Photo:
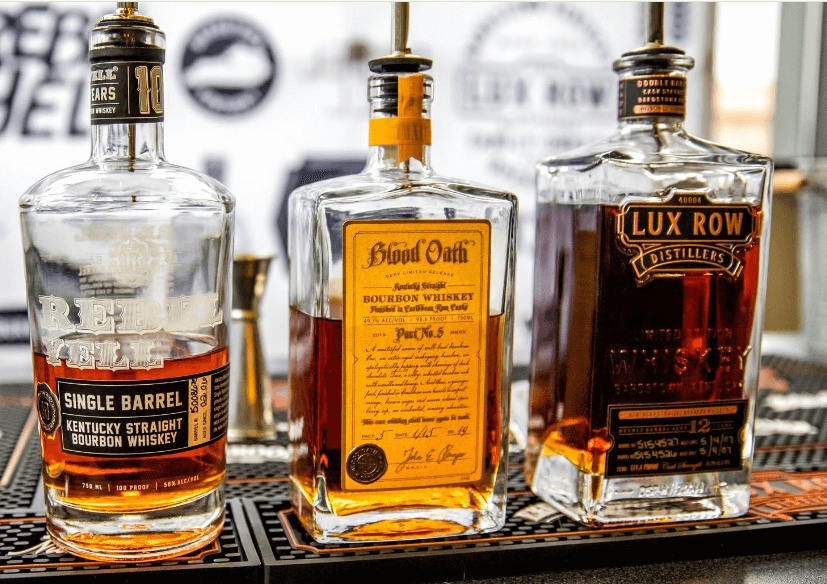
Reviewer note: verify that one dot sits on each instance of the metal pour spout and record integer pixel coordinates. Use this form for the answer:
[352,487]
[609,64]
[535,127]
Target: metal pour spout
[127,8]
[400,59]
[653,23]
[399,29]
[654,54]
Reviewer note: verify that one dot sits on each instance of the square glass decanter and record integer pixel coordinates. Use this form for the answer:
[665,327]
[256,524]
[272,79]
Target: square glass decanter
[401,318]
[649,292]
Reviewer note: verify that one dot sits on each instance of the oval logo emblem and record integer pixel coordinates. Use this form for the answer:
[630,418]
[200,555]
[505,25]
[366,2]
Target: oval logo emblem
[48,409]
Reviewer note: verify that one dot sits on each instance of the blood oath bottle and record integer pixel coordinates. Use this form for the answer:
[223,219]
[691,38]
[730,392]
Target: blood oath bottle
[128,263]
[649,292]
[401,318]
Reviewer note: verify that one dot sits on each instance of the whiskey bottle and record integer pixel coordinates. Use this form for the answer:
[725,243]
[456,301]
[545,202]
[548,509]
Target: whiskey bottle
[649,293]
[401,319]
[127,265]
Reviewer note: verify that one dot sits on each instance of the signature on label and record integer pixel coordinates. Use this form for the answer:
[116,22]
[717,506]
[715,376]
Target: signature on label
[412,457]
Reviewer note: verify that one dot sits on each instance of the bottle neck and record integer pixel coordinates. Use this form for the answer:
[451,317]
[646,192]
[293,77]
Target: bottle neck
[388,158]
[135,145]
[127,111]
[400,123]
[649,122]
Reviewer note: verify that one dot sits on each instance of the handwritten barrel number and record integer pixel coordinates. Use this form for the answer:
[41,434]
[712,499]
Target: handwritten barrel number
[150,89]
[699,426]
[198,406]
[194,399]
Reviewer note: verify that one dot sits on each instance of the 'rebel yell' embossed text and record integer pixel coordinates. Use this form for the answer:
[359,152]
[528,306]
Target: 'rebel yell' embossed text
[121,316]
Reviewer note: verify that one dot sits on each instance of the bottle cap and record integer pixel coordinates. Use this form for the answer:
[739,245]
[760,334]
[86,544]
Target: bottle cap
[126,35]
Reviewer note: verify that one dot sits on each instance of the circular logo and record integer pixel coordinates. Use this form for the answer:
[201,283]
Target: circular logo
[366,463]
[228,66]
[47,408]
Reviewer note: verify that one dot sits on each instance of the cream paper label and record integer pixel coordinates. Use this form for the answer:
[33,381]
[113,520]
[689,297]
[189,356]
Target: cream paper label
[416,297]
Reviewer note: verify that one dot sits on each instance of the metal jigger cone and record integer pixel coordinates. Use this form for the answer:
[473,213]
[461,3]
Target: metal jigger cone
[251,409]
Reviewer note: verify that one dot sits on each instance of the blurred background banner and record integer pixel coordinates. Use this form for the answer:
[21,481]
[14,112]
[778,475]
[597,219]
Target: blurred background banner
[268,96]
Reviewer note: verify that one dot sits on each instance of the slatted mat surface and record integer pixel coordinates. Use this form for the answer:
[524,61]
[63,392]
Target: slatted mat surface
[19,449]
[266,480]
[794,399]
[788,508]
[26,553]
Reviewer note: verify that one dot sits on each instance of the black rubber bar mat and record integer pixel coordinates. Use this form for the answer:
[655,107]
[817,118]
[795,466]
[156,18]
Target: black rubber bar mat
[792,409]
[26,553]
[265,477]
[788,510]
[536,539]
[789,497]
[19,450]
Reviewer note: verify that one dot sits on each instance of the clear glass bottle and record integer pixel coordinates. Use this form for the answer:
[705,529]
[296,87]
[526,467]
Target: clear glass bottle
[128,262]
[401,318]
[649,291]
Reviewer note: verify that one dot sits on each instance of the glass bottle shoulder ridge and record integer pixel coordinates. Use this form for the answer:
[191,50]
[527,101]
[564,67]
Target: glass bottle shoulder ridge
[652,145]
[393,184]
[637,161]
[74,187]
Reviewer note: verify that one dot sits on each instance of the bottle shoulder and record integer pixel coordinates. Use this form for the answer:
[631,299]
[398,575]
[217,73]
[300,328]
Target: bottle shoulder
[651,164]
[90,186]
[382,185]
[630,147]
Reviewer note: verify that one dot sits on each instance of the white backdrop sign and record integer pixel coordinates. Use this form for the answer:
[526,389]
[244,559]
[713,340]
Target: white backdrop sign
[256,92]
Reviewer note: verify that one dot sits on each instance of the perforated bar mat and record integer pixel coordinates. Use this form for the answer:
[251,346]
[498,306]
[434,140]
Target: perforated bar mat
[19,449]
[268,479]
[26,553]
[789,493]
[789,498]
[793,405]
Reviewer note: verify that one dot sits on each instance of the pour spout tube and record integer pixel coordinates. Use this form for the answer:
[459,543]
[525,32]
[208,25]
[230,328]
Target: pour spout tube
[400,26]
[653,23]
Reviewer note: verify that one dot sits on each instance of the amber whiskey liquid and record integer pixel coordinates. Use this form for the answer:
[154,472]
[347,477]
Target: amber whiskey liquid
[131,484]
[602,339]
[316,434]
[109,486]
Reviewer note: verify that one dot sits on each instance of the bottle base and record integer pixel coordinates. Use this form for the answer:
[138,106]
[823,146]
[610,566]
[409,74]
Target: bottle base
[396,524]
[597,501]
[136,537]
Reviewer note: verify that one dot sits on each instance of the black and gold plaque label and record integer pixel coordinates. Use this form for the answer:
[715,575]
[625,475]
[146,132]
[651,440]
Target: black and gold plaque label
[652,96]
[683,438]
[687,234]
[143,418]
[127,92]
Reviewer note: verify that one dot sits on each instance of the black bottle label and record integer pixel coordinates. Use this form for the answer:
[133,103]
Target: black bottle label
[127,92]
[686,234]
[680,438]
[139,418]
[652,96]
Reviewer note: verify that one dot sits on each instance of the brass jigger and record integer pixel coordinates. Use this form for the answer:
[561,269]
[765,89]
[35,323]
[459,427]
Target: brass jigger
[251,410]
